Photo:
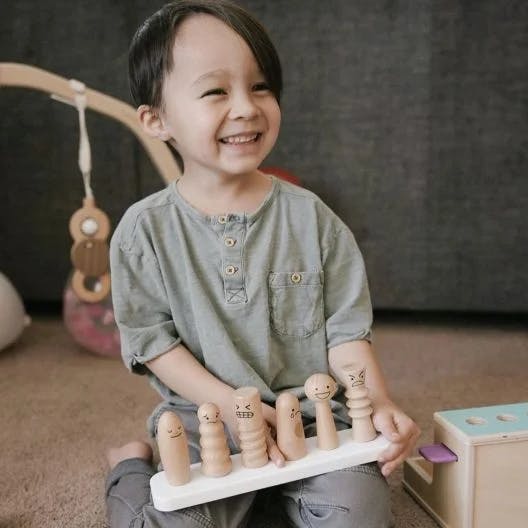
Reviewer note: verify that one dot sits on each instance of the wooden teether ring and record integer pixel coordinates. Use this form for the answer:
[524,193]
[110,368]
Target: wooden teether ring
[78,284]
[89,228]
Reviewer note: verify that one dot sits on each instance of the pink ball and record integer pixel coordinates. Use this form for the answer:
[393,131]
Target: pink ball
[92,325]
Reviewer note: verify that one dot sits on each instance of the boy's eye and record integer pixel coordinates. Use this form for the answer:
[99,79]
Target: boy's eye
[214,91]
[261,86]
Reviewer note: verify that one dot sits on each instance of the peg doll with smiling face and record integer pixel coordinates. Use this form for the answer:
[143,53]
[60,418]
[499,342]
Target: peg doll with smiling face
[320,388]
[173,449]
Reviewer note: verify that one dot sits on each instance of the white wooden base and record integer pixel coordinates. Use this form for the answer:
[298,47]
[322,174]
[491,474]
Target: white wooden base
[242,480]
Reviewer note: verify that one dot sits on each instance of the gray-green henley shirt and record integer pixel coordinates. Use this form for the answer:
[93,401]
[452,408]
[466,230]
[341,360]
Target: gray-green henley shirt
[257,298]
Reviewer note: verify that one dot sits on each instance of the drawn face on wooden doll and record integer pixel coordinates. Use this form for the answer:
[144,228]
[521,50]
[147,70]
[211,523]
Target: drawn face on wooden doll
[208,413]
[173,448]
[248,408]
[320,387]
[288,404]
[354,375]
[288,408]
[170,426]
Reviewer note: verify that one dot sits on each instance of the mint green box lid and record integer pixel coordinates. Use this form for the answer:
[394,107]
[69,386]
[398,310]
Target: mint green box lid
[505,420]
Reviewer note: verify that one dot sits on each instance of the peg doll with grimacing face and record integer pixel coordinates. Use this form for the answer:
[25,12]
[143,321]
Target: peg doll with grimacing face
[251,426]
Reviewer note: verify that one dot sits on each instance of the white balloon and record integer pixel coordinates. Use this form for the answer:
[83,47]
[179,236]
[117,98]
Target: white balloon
[13,317]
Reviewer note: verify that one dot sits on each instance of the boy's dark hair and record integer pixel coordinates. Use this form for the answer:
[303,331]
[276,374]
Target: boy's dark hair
[150,54]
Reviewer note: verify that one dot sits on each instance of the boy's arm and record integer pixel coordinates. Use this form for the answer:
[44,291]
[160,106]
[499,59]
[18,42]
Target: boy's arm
[362,353]
[179,370]
[387,417]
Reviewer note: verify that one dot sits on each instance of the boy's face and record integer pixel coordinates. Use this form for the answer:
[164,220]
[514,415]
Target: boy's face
[218,110]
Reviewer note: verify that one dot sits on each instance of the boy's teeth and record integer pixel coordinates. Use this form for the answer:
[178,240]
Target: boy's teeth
[239,139]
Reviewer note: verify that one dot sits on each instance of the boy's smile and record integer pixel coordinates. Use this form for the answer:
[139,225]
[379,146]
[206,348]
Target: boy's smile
[241,139]
[218,110]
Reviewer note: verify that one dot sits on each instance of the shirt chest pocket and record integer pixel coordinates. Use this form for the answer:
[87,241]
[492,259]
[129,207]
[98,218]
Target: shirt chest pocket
[296,302]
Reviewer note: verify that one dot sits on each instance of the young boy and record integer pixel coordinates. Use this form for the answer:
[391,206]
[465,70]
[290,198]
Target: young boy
[230,277]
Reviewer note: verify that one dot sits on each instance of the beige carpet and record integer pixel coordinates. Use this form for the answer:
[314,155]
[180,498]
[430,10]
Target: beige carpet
[62,407]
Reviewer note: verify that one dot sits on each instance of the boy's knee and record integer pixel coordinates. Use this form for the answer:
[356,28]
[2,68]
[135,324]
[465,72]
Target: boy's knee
[356,497]
[186,518]
[231,512]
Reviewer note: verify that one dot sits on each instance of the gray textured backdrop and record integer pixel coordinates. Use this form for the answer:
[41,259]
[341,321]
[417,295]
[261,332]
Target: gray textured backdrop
[409,118]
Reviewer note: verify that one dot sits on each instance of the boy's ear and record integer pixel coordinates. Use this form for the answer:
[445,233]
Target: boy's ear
[151,122]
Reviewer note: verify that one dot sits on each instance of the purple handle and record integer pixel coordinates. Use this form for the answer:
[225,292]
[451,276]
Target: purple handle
[438,454]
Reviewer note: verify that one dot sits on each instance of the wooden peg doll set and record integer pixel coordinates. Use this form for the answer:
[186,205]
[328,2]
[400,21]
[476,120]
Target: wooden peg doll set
[221,475]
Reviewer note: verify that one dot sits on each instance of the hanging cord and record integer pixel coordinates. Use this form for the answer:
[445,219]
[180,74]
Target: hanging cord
[85,158]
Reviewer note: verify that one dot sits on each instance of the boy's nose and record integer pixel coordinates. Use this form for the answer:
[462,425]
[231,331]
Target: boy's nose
[243,107]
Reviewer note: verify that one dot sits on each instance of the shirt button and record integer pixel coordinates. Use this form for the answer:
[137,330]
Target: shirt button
[295,277]
[230,270]
[229,242]
[222,219]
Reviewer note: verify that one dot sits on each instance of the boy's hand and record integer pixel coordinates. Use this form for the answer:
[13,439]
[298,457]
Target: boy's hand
[397,427]
[274,452]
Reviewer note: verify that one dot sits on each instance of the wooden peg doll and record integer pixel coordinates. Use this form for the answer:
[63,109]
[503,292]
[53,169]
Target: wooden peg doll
[173,449]
[320,388]
[358,402]
[290,431]
[216,460]
[251,427]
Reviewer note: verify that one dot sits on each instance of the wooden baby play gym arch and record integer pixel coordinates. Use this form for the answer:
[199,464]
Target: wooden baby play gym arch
[89,226]
[25,76]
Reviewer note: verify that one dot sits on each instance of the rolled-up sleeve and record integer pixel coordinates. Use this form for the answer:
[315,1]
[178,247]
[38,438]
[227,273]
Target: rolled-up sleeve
[348,308]
[141,307]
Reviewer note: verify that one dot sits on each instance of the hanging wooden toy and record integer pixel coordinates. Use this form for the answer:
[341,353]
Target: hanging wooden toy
[89,225]
[91,324]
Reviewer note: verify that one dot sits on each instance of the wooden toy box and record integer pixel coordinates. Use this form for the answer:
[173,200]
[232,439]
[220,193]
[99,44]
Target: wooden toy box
[487,487]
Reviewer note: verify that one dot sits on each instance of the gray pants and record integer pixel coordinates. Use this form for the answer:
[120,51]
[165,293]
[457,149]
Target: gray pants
[356,497]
